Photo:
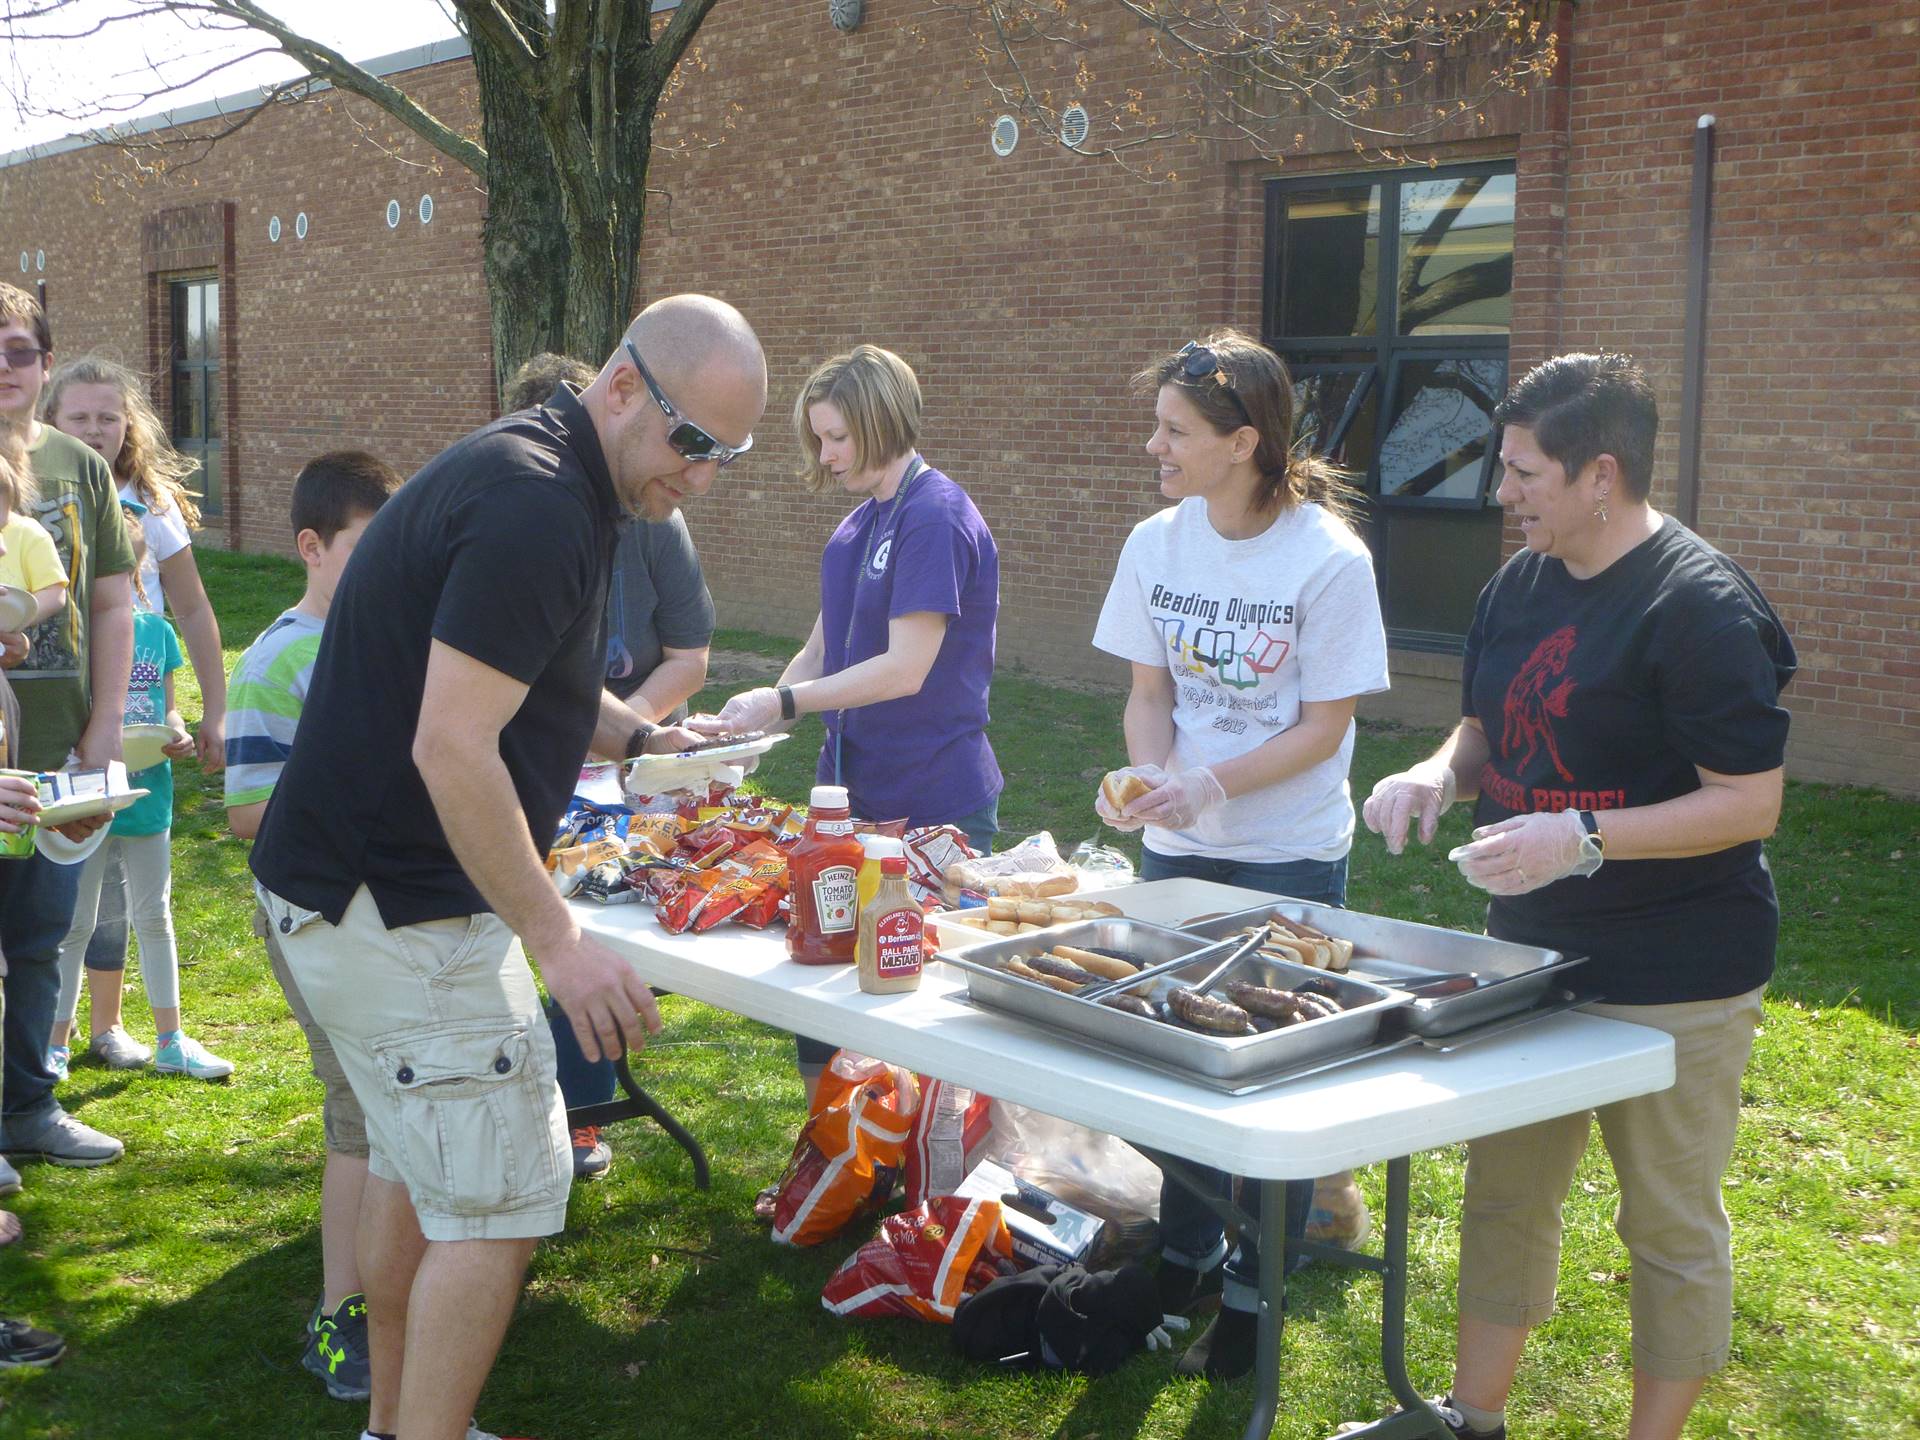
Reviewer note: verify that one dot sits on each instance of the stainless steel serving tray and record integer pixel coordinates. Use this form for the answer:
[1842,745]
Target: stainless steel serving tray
[1173,959]
[1400,952]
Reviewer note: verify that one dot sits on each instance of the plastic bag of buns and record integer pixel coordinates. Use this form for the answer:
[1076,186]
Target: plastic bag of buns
[1031,870]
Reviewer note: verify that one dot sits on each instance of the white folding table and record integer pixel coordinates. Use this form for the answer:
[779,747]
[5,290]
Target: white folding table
[1385,1109]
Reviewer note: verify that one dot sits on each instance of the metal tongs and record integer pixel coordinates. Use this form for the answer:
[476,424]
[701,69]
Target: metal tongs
[1241,950]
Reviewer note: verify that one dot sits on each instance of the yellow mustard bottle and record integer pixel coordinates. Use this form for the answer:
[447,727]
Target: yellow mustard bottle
[888,949]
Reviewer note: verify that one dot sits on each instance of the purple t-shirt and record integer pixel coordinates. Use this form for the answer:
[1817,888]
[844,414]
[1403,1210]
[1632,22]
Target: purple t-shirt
[923,758]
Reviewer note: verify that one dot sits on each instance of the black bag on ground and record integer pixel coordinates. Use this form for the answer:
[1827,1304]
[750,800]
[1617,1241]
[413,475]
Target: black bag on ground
[1060,1316]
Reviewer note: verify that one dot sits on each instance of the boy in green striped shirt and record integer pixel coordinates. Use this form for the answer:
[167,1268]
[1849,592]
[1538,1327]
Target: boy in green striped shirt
[334,497]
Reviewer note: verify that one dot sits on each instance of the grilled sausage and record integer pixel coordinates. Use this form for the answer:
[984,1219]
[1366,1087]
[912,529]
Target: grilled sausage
[1132,1005]
[1204,1012]
[1025,971]
[1287,1006]
[1062,969]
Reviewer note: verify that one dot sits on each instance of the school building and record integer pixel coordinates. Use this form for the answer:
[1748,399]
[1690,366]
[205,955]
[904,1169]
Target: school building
[1723,189]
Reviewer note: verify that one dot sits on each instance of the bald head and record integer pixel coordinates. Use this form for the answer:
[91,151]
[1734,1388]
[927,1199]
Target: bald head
[685,335]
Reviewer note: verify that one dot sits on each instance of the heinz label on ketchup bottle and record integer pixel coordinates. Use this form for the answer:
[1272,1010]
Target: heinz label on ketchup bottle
[836,893]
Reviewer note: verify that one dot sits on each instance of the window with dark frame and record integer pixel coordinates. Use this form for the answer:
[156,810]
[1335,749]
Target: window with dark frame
[1398,354]
[197,422]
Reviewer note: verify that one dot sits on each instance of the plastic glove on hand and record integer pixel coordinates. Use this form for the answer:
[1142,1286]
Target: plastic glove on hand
[1426,790]
[1524,853]
[1180,801]
[757,709]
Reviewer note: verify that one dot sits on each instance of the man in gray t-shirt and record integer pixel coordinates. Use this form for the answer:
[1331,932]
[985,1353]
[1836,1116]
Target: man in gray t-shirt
[659,618]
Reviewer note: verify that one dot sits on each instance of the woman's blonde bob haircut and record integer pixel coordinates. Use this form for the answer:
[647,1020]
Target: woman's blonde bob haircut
[879,396]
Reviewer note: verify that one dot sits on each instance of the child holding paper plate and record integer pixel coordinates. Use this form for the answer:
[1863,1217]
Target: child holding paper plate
[141,839]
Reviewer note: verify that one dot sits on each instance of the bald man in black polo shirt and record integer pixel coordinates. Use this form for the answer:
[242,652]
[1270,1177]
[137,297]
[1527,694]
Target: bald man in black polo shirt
[457,691]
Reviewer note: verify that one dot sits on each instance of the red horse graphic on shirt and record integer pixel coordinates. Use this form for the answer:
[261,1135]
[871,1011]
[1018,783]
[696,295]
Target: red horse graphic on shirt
[1531,707]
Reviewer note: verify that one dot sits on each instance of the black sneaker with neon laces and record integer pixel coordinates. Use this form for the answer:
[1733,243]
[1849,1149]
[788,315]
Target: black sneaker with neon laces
[337,1349]
[22,1346]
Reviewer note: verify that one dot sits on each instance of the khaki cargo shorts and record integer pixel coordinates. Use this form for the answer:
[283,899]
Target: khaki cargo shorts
[346,1123]
[439,1030]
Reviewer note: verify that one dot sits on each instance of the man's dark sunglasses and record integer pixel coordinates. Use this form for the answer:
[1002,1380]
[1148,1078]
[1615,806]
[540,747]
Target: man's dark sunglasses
[1198,363]
[687,438]
[19,357]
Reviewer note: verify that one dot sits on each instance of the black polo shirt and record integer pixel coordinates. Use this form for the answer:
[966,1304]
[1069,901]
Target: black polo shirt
[501,548]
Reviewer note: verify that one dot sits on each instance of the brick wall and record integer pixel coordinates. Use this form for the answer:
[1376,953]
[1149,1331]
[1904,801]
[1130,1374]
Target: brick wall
[357,335]
[855,197]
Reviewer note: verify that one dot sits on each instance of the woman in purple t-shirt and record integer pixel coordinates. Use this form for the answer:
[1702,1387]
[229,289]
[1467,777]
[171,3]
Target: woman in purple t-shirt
[900,659]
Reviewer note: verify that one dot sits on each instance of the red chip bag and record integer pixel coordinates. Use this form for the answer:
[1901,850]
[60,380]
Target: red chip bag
[924,1261]
[847,1159]
[749,876]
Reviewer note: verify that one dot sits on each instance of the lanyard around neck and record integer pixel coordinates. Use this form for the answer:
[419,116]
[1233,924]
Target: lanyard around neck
[890,522]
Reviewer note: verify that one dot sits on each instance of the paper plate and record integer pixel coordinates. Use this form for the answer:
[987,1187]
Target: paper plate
[85,807]
[657,774]
[62,851]
[144,746]
[17,608]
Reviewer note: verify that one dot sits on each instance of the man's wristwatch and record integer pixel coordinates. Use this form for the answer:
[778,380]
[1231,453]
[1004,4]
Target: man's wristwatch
[787,709]
[637,741]
[1593,845]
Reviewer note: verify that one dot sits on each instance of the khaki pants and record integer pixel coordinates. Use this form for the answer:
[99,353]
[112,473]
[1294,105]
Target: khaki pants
[1669,1152]
[440,1032]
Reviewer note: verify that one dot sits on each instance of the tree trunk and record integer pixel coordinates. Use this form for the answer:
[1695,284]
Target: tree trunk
[527,260]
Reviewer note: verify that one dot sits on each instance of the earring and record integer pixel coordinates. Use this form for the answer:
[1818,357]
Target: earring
[1600,509]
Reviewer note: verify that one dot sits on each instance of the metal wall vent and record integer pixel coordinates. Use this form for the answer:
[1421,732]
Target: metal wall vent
[426,209]
[39,259]
[1074,127]
[273,230]
[393,214]
[300,226]
[1006,135]
[26,262]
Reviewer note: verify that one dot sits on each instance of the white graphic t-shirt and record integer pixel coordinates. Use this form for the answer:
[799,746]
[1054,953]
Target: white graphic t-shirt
[1250,630]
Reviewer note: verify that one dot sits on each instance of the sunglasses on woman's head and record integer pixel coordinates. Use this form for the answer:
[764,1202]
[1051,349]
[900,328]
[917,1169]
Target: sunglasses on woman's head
[1199,363]
[689,441]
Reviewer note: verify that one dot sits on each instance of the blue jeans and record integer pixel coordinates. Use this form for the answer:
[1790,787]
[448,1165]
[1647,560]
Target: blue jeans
[582,1081]
[36,907]
[979,828]
[1190,1233]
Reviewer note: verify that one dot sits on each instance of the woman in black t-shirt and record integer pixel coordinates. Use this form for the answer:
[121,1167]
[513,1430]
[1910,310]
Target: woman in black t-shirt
[1621,704]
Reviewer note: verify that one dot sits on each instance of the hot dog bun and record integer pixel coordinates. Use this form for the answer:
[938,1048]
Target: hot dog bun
[1122,788]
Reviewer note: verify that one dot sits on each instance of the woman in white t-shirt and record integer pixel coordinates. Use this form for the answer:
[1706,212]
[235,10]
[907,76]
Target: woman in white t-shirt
[1250,615]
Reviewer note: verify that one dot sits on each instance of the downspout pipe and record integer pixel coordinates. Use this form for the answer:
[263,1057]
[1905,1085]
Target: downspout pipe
[1699,249]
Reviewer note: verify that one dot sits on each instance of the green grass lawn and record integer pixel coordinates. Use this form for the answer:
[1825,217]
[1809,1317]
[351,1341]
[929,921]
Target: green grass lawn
[182,1276]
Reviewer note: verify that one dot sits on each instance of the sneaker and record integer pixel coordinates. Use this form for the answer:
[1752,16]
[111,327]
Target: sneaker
[1183,1288]
[592,1156]
[181,1054]
[59,1057]
[1454,1420]
[119,1050]
[10,1227]
[1225,1351]
[21,1345]
[337,1349]
[1339,1215]
[62,1140]
[9,1178]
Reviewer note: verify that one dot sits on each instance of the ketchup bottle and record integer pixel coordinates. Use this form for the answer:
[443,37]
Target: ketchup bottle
[823,882]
